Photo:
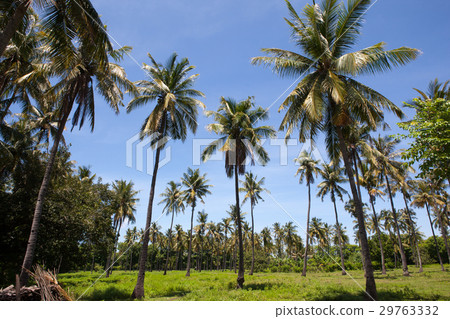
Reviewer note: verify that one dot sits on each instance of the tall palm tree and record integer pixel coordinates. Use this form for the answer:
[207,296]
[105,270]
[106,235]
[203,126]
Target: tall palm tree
[328,98]
[180,240]
[226,226]
[424,198]
[172,117]
[371,182]
[252,189]
[332,177]
[405,187]
[317,232]
[173,200]
[308,168]
[233,215]
[124,206]
[155,235]
[196,189]
[290,231]
[81,71]
[351,209]
[278,232]
[214,239]
[383,155]
[130,237]
[240,139]
[202,218]
[266,239]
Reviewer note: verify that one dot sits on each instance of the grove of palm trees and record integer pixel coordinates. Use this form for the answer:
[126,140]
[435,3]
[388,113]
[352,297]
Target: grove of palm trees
[340,195]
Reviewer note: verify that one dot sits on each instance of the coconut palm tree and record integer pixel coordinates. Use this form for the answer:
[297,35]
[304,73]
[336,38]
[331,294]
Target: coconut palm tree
[173,200]
[290,231]
[64,21]
[180,241]
[252,189]
[344,238]
[214,239]
[196,188]
[202,218]
[351,209]
[387,217]
[441,208]
[240,139]
[174,114]
[424,198]
[43,121]
[23,53]
[267,240]
[371,182]
[317,232]
[80,74]
[226,226]
[124,206]
[328,98]
[86,176]
[332,177]
[278,232]
[308,168]
[436,90]
[404,185]
[383,156]
[130,237]
[155,235]
[233,215]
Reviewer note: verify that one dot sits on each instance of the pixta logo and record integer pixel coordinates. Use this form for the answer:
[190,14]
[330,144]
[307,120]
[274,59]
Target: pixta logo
[140,152]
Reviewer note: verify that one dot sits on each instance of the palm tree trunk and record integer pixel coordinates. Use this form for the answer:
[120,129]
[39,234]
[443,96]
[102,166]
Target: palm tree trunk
[305,258]
[414,235]
[356,174]
[138,291]
[32,240]
[225,252]
[371,289]
[380,242]
[397,229]
[253,240]
[188,267]
[435,240]
[338,228]
[240,278]
[201,255]
[235,254]
[443,231]
[168,245]
[13,24]
[116,242]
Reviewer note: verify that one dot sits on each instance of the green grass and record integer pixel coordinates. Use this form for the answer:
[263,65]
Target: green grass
[432,284]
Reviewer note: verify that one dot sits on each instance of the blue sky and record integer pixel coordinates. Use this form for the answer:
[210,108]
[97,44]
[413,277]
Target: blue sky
[219,38]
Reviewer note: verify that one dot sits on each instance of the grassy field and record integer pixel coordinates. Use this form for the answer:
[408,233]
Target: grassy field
[432,284]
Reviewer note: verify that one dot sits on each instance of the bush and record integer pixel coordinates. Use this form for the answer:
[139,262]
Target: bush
[285,268]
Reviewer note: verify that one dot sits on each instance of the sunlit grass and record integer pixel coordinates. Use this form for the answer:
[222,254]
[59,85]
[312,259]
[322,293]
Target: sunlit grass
[432,284]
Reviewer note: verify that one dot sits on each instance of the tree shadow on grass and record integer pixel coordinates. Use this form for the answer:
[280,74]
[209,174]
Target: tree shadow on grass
[174,291]
[260,286]
[394,294]
[109,294]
